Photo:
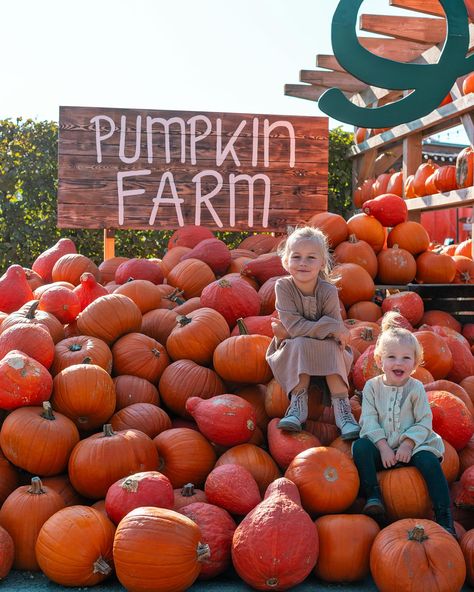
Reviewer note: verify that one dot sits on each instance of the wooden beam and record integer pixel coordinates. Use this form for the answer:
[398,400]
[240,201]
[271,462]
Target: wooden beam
[459,197]
[443,117]
[387,159]
[410,28]
[394,49]
[109,243]
[310,92]
[342,80]
[432,7]
[329,62]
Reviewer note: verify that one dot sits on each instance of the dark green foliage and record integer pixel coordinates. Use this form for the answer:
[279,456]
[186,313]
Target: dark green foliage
[340,173]
[28,190]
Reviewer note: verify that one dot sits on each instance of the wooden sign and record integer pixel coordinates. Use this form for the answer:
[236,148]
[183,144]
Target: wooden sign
[140,169]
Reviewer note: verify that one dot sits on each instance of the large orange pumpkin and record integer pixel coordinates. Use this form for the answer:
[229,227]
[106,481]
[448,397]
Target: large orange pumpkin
[410,236]
[416,554]
[191,276]
[404,493]
[74,547]
[348,562]
[326,478]
[353,282]
[368,229]
[101,459]
[435,268]
[357,251]
[139,355]
[437,357]
[333,225]
[158,549]
[396,266]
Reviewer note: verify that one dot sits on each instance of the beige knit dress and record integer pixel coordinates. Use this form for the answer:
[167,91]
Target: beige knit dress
[309,320]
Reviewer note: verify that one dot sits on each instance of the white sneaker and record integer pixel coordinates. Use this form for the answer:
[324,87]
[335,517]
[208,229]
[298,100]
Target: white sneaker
[345,421]
[297,412]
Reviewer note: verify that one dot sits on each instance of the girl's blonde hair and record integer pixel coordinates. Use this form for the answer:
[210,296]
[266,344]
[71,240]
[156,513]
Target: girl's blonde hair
[392,330]
[318,237]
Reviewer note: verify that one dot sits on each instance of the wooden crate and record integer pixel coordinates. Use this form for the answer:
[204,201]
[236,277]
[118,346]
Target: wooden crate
[457,299]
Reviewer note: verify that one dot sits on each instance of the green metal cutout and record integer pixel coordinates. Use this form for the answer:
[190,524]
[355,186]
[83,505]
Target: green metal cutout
[429,83]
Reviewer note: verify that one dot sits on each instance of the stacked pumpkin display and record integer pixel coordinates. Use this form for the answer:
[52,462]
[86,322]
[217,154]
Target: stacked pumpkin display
[139,431]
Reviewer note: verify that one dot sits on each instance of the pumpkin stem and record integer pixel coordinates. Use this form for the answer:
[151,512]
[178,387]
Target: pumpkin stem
[203,551]
[87,360]
[183,320]
[130,279]
[75,347]
[188,490]
[107,430]
[47,411]
[32,310]
[175,296]
[367,334]
[36,486]
[156,352]
[224,283]
[417,534]
[272,582]
[242,327]
[353,239]
[101,566]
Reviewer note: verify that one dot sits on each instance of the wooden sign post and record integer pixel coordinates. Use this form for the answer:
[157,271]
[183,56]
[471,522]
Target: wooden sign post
[155,170]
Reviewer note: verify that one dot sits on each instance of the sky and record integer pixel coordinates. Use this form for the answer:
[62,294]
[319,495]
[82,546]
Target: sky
[196,55]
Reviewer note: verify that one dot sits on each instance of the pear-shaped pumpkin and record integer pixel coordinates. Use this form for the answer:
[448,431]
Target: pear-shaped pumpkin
[14,289]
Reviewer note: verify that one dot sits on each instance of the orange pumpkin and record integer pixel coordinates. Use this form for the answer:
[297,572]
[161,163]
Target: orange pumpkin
[22,515]
[70,529]
[183,379]
[416,554]
[185,456]
[421,175]
[196,335]
[108,267]
[133,389]
[144,293]
[121,453]
[348,562]
[164,548]
[191,276]
[433,268]
[37,440]
[333,225]
[437,357]
[357,251]
[353,282]
[368,229]
[139,355]
[396,266]
[410,236]
[74,350]
[405,493]
[148,418]
[327,480]
[110,317]
[71,266]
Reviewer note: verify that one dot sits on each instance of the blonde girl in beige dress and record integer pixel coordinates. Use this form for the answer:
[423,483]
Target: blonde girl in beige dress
[310,336]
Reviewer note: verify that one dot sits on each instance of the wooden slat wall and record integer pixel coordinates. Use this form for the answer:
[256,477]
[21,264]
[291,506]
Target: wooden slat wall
[88,189]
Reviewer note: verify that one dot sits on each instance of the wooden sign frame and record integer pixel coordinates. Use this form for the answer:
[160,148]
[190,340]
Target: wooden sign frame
[156,170]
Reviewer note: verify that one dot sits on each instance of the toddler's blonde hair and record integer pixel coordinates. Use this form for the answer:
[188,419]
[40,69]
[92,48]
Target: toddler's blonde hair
[308,233]
[392,330]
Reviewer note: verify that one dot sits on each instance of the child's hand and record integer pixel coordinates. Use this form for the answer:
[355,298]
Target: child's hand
[279,330]
[342,337]
[404,452]
[388,457]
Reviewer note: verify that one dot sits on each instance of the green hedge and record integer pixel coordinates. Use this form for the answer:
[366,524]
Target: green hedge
[28,188]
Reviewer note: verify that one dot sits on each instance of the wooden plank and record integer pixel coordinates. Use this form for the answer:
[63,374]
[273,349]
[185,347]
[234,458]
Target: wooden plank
[412,154]
[409,28]
[386,159]
[116,170]
[394,49]
[310,92]
[445,117]
[346,82]
[109,243]
[329,62]
[458,198]
[432,7]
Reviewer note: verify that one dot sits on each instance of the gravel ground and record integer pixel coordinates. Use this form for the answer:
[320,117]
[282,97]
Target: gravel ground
[36,582]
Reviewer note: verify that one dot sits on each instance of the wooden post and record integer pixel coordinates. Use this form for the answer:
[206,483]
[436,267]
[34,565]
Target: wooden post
[412,158]
[109,243]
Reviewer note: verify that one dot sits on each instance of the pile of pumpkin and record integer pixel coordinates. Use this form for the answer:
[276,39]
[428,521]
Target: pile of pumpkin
[139,434]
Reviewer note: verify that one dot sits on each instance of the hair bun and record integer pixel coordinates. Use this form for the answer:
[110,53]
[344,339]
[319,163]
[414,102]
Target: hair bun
[392,320]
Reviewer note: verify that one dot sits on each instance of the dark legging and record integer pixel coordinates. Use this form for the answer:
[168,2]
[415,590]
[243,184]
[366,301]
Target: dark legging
[368,461]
